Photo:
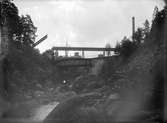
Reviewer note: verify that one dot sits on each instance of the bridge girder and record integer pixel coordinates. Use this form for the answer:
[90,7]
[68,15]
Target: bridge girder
[79,62]
[82,49]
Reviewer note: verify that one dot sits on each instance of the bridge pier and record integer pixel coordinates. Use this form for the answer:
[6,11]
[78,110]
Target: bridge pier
[103,53]
[66,53]
[56,53]
[83,54]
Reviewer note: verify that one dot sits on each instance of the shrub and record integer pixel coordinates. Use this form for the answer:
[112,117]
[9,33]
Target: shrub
[126,48]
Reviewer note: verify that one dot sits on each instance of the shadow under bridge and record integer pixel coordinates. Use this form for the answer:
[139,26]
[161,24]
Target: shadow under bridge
[79,62]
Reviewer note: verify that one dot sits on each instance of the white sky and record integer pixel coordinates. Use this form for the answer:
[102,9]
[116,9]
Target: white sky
[87,23]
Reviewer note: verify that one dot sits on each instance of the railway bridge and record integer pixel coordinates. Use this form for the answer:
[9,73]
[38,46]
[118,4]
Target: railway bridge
[83,49]
[80,61]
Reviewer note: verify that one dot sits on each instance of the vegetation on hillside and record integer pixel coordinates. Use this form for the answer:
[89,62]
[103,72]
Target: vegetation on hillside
[26,70]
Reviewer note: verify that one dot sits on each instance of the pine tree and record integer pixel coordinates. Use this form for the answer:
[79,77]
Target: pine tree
[146,28]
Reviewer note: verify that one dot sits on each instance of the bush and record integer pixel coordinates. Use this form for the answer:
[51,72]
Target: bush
[126,48]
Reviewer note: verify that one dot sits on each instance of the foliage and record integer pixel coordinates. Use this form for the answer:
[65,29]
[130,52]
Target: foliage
[126,47]
[142,33]
[26,66]
[21,29]
[146,28]
[49,53]
[159,17]
[27,31]
[155,12]
[157,32]
[9,15]
[138,36]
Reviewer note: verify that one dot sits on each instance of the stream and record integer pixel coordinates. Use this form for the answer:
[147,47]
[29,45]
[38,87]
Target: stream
[40,113]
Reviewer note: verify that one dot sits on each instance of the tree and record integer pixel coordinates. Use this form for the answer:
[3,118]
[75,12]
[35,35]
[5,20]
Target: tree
[21,29]
[126,47]
[9,15]
[155,12]
[138,36]
[28,30]
[142,33]
[49,54]
[146,28]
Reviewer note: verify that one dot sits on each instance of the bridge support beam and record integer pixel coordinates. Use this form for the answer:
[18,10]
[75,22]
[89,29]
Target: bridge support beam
[56,53]
[66,53]
[83,54]
[103,53]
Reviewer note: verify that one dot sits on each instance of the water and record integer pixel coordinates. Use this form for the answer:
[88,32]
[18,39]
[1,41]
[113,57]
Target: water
[42,111]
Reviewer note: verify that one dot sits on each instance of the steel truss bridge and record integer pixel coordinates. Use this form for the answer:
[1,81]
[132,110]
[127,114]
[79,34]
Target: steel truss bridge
[83,49]
[75,61]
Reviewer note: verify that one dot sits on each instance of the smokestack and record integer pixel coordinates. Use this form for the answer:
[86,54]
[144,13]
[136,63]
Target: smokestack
[133,27]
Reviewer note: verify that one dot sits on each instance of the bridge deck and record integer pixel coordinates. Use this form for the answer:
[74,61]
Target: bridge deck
[83,48]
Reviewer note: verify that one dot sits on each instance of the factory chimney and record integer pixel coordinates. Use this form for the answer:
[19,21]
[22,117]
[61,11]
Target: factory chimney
[133,27]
